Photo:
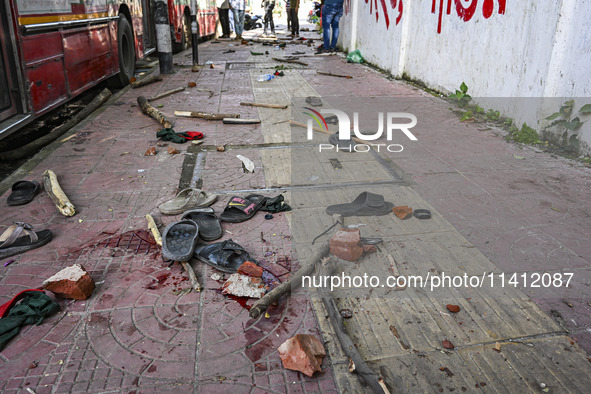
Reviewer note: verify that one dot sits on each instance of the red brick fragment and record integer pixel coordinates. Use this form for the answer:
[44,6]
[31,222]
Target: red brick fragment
[173,151]
[250,269]
[453,308]
[302,353]
[345,244]
[71,282]
[447,345]
[369,249]
[402,211]
[150,152]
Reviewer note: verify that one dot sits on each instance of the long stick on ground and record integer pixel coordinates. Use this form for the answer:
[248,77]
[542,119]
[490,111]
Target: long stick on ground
[278,106]
[278,59]
[192,277]
[162,95]
[204,115]
[153,112]
[57,195]
[34,146]
[146,81]
[334,75]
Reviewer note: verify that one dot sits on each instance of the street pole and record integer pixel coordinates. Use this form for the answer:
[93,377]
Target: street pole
[163,36]
[194,33]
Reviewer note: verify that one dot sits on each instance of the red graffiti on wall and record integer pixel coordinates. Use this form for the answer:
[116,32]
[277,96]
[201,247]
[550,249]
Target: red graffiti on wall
[467,12]
[374,4]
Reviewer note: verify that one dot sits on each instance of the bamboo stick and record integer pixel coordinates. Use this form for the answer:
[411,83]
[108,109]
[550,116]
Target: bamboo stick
[153,112]
[204,115]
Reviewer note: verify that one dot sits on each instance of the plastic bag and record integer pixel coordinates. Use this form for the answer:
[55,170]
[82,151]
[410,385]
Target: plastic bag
[355,57]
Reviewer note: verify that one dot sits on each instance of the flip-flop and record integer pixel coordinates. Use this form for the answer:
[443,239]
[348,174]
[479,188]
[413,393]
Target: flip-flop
[20,238]
[365,204]
[225,256]
[23,192]
[346,145]
[240,209]
[187,199]
[210,228]
[179,240]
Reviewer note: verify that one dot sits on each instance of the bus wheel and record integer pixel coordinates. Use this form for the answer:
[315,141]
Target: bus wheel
[185,36]
[126,50]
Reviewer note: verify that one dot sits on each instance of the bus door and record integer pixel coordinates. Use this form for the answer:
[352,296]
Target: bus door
[9,98]
[149,36]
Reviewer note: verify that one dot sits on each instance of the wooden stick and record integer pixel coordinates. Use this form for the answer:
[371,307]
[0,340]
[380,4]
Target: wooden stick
[278,59]
[204,115]
[57,195]
[173,91]
[192,277]
[334,75]
[295,281]
[278,106]
[34,146]
[153,112]
[154,229]
[240,121]
[146,81]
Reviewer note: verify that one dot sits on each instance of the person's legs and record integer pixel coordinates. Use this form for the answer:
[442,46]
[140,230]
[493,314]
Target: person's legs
[224,21]
[271,21]
[295,23]
[326,19]
[334,24]
[238,22]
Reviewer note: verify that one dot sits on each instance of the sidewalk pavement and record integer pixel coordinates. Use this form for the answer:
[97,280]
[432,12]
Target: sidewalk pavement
[497,208]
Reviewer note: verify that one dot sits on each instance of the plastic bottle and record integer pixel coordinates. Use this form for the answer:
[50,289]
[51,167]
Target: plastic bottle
[265,77]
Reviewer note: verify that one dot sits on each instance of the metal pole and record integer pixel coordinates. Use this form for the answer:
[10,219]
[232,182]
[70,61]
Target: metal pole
[163,36]
[194,33]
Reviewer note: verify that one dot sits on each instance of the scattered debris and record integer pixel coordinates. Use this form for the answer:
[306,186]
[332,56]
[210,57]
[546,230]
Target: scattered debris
[153,112]
[345,244]
[212,65]
[302,353]
[192,277]
[334,75]
[173,151]
[249,268]
[277,59]
[247,164]
[278,106]
[72,282]
[9,262]
[402,211]
[191,84]
[145,81]
[240,121]
[351,367]
[518,157]
[205,115]
[497,347]
[453,308]
[447,371]
[168,93]
[154,229]
[244,286]
[346,313]
[221,148]
[216,276]
[447,345]
[57,195]
[150,152]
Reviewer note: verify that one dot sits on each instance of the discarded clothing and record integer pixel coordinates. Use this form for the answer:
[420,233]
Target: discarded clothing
[33,309]
[168,134]
[275,204]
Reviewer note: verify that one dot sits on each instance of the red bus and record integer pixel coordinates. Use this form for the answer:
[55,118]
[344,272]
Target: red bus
[53,50]
[179,12]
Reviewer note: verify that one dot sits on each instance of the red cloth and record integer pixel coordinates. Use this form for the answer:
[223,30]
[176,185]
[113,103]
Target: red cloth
[6,307]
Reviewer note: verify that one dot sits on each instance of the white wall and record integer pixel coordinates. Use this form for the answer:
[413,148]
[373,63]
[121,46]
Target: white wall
[535,49]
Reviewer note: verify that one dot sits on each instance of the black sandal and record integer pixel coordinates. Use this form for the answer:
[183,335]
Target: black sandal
[225,256]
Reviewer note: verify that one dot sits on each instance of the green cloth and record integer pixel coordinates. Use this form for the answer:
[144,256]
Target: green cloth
[33,308]
[275,204]
[169,134]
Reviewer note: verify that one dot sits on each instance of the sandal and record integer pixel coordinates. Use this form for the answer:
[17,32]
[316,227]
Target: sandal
[225,256]
[23,192]
[187,199]
[210,228]
[240,209]
[314,101]
[365,204]
[20,238]
[179,240]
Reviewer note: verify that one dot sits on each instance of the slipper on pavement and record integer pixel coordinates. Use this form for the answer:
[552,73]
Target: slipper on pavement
[314,101]
[365,204]
[240,209]
[187,199]
[20,238]
[23,192]
[225,256]
[179,240]
[210,228]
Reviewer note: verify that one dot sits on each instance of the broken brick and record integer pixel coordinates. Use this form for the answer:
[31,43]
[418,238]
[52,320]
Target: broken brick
[244,286]
[453,308]
[71,282]
[447,345]
[302,353]
[345,244]
[249,268]
[402,211]
[150,152]
[173,151]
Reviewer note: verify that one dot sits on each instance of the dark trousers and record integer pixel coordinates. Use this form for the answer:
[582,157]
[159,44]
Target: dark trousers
[295,23]
[269,19]
[224,20]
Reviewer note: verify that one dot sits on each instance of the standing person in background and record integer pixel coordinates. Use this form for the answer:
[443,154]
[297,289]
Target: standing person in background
[293,12]
[331,15]
[288,14]
[224,11]
[268,5]
[238,7]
